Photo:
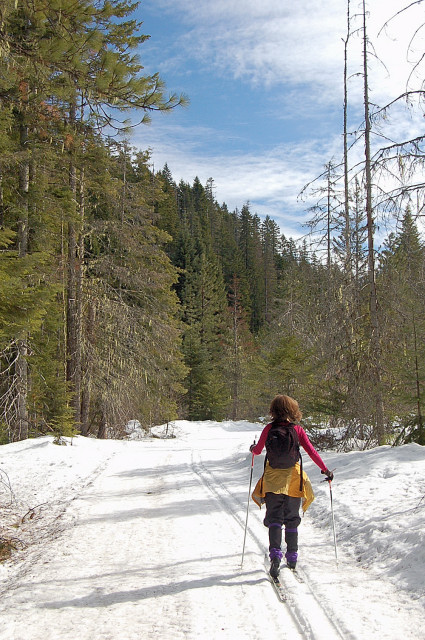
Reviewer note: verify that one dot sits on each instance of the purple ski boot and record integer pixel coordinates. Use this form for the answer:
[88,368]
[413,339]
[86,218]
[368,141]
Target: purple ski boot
[276,556]
[291,559]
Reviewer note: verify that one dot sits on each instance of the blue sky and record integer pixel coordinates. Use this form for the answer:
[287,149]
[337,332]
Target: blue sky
[264,80]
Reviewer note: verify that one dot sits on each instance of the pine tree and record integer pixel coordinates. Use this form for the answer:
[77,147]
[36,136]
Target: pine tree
[269,241]
[25,122]
[134,365]
[204,315]
[240,349]
[166,209]
[249,242]
[68,70]
[402,277]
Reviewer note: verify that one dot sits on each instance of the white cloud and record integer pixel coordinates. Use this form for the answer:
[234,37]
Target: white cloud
[295,49]
[267,43]
[281,42]
[270,181]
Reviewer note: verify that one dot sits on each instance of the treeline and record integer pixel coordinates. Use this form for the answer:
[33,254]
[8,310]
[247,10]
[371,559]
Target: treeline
[263,315]
[124,295]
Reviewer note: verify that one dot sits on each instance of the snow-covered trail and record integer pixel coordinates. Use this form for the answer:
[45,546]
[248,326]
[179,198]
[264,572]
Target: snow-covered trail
[150,547]
[148,552]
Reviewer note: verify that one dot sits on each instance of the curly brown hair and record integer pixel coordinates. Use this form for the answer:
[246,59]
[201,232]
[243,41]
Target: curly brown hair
[285,408]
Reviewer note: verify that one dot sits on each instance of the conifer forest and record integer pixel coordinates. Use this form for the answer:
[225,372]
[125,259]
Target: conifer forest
[125,295]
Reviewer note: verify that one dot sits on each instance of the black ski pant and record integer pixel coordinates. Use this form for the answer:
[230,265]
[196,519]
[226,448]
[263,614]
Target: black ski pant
[282,510]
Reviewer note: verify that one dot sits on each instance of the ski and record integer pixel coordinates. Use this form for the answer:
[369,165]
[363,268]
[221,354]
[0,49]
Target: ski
[296,575]
[277,584]
[278,587]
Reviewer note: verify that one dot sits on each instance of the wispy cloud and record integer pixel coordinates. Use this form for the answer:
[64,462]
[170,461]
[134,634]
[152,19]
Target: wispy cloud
[291,51]
[269,181]
[267,43]
[281,42]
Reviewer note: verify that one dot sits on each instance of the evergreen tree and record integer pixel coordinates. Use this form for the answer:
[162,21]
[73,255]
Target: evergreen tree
[402,278]
[249,242]
[133,337]
[67,70]
[240,350]
[269,240]
[166,209]
[204,315]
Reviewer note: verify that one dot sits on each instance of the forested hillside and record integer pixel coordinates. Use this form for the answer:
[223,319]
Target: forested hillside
[124,295]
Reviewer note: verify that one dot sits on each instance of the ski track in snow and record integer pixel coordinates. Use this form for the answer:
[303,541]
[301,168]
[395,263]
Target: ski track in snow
[149,546]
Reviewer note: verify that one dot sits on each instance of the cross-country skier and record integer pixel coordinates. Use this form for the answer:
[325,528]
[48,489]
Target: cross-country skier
[282,489]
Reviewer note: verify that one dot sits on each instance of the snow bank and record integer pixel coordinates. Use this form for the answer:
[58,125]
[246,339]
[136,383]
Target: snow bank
[379,506]
[163,519]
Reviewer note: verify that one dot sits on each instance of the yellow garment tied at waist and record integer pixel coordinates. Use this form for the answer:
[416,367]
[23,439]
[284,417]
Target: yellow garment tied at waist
[286,481]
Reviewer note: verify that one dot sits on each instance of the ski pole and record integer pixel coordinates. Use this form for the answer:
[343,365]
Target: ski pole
[247,506]
[333,521]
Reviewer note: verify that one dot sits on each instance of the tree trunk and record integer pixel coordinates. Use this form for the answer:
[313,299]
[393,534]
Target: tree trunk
[102,431]
[1,200]
[73,320]
[329,218]
[418,385]
[375,340]
[236,363]
[86,371]
[347,229]
[21,364]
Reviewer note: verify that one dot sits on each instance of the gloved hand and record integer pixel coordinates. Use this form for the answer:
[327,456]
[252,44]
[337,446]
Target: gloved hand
[329,475]
[252,447]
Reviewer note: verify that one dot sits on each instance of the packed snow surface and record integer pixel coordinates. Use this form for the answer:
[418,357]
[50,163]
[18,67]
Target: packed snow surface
[126,540]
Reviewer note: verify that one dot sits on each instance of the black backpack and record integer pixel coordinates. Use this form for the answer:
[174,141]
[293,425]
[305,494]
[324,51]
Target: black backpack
[283,447]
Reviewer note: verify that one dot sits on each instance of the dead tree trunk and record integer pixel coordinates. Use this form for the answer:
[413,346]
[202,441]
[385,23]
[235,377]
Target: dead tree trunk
[375,339]
[20,430]
[347,226]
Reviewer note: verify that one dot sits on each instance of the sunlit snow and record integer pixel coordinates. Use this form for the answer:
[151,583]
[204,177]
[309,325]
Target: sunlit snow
[126,540]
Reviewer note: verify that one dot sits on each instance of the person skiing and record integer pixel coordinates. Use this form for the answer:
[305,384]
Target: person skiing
[284,484]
